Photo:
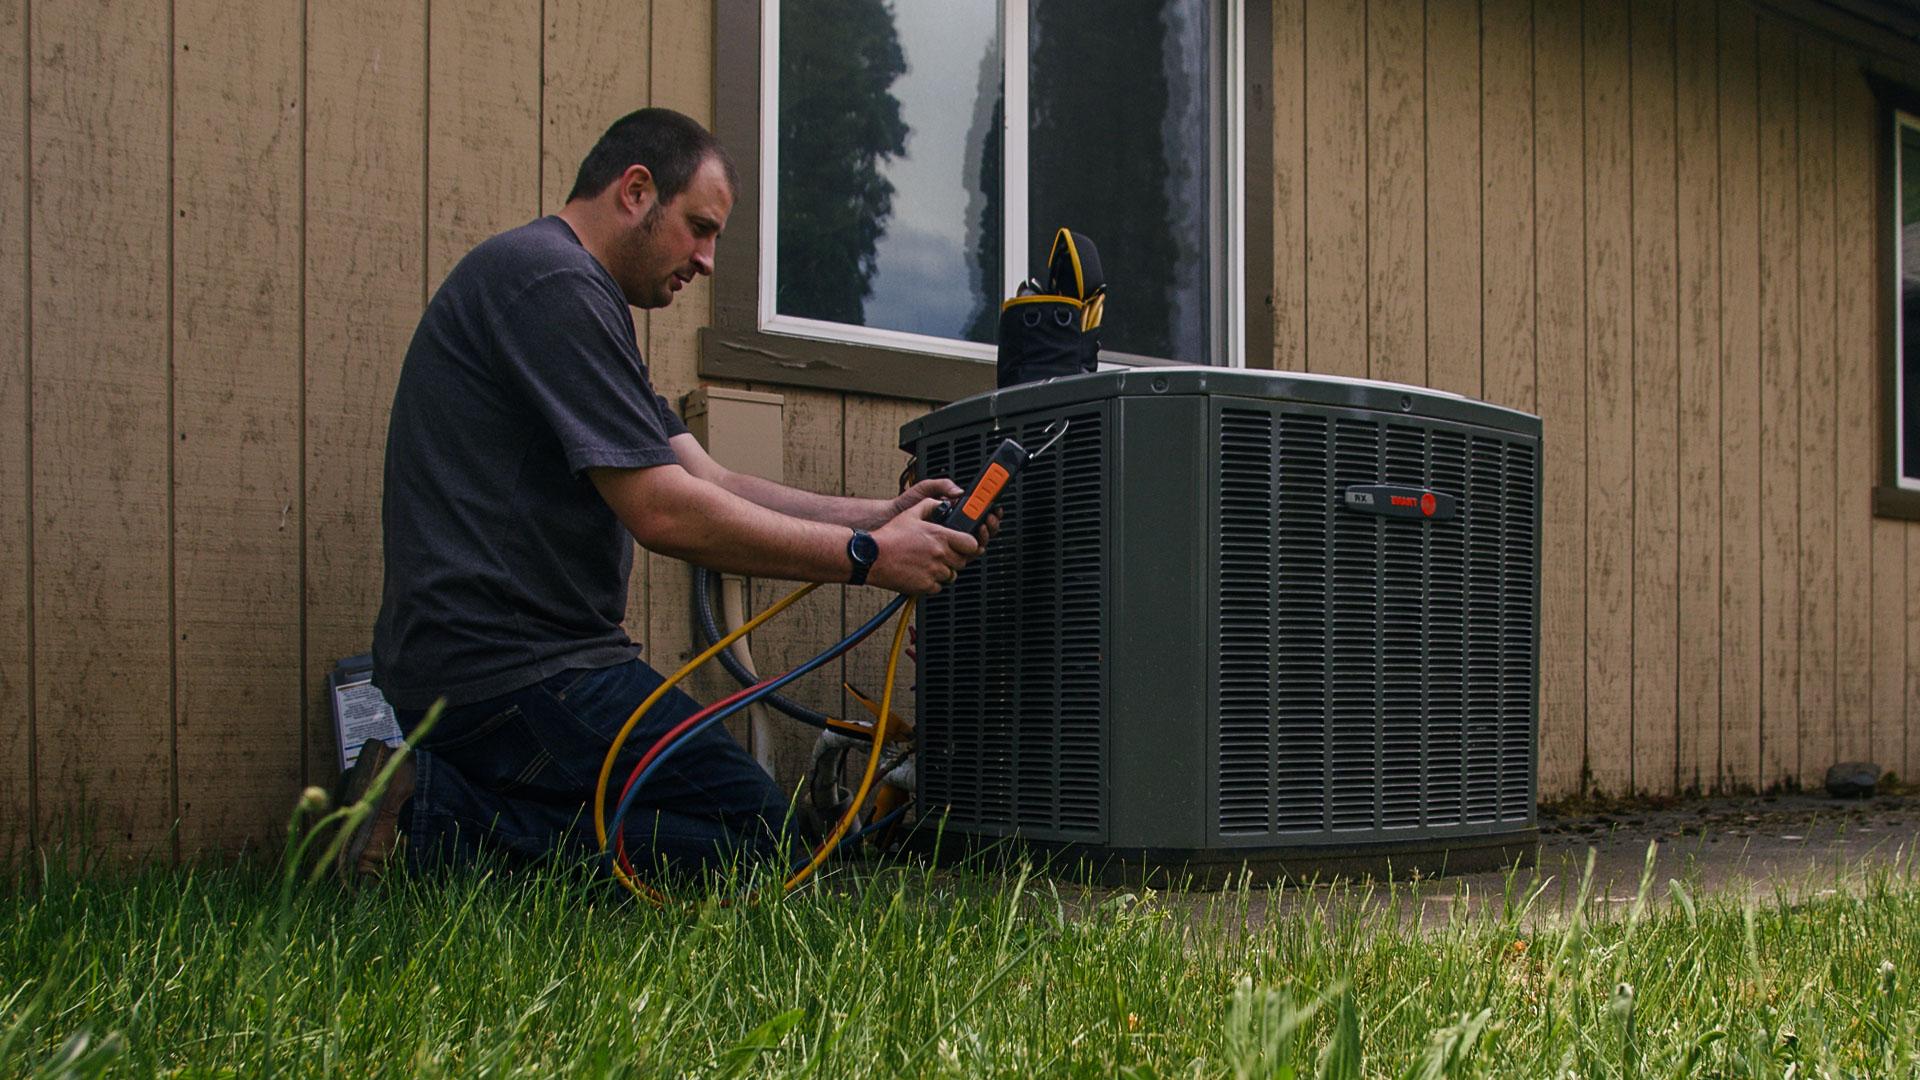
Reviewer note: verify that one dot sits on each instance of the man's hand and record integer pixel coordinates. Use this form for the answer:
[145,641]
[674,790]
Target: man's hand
[937,488]
[918,556]
[944,489]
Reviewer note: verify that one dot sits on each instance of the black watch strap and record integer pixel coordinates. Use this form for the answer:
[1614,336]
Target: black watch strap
[861,552]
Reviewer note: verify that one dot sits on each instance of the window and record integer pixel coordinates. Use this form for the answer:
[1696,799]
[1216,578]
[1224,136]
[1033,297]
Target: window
[1906,313]
[892,205]
[1898,494]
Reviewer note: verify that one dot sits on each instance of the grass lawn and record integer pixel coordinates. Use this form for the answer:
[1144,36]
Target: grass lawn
[222,971]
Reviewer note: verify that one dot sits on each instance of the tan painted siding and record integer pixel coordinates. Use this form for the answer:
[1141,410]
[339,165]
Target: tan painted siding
[1650,222]
[1697,271]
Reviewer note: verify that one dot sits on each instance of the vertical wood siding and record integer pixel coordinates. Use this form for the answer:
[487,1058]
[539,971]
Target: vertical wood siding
[1560,366]
[1740,648]
[100,287]
[236,395]
[364,164]
[17,730]
[1653,223]
[1697,274]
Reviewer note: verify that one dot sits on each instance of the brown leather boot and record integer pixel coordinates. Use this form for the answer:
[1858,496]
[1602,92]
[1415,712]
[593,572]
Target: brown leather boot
[377,844]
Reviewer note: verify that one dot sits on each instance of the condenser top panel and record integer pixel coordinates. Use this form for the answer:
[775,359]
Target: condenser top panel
[1328,390]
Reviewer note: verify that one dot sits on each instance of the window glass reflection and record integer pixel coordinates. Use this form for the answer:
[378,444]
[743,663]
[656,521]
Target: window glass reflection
[889,164]
[1121,150]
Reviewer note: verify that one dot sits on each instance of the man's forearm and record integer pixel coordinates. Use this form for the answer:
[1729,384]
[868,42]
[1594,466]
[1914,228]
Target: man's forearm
[671,511]
[675,514]
[830,509]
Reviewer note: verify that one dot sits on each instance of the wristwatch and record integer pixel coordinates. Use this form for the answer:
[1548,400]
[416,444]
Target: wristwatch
[862,550]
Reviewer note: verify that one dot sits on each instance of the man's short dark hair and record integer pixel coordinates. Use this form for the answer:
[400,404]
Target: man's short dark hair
[672,146]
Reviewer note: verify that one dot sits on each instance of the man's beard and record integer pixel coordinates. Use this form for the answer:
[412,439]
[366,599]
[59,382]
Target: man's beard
[638,251]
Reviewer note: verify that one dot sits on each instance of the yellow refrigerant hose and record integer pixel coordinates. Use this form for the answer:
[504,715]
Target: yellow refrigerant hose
[873,756]
[633,720]
[654,896]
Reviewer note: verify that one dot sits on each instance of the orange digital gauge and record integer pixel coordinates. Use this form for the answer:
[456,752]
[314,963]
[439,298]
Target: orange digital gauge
[986,488]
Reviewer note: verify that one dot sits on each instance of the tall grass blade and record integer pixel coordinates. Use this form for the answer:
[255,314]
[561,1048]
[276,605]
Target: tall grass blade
[762,1040]
[1451,1049]
[1262,1032]
[1341,1060]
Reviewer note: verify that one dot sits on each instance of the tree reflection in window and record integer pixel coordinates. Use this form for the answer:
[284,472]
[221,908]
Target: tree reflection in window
[1120,150]
[839,122]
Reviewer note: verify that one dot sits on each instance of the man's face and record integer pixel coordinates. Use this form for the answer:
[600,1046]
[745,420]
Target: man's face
[673,241]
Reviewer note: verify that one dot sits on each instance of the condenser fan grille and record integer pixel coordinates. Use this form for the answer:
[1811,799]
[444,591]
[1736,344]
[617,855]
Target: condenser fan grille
[1374,673]
[1012,690]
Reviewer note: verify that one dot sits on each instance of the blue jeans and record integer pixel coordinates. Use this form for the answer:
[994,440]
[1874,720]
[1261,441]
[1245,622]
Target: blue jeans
[514,775]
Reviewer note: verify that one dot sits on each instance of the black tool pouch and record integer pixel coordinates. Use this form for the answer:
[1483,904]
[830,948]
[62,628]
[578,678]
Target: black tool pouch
[1048,334]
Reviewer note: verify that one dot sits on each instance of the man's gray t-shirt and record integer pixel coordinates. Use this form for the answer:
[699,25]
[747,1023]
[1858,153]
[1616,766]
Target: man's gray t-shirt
[503,564]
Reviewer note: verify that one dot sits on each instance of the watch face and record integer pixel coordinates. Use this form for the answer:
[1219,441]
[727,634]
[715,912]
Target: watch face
[863,548]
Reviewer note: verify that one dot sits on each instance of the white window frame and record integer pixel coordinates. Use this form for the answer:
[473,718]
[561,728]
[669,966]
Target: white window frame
[1901,120]
[1014,223]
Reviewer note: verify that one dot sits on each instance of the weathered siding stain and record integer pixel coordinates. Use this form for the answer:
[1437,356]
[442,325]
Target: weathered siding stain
[1609,345]
[1684,194]
[1655,396]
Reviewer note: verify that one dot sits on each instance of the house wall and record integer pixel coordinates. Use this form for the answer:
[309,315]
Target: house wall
[1652,223]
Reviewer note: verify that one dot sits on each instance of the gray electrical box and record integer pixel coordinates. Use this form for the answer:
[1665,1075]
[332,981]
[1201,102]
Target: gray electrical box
[1239,618]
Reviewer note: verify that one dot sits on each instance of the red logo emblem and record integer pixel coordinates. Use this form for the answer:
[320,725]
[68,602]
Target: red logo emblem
[1428,503]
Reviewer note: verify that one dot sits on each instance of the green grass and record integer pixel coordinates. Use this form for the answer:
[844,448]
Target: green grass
[232,971]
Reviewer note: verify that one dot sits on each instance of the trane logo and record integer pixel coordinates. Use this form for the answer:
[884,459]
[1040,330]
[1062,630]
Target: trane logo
[1390,500]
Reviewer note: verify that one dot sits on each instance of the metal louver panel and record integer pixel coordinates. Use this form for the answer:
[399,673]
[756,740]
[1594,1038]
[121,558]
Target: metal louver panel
[1354,597]
[1247,639]
[1012,727]
[1374,673]
[1517,638]
[1485,520]
[949,719]
[1403,628]
[1030,519]
[1447,640]
[1080,724]
[1300,669]
[1186,648]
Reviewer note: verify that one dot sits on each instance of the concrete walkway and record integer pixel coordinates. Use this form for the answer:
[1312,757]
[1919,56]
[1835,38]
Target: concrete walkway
[1764,846]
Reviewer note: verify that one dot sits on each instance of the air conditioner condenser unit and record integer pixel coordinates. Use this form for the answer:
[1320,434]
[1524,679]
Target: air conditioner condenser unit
[1238,618]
